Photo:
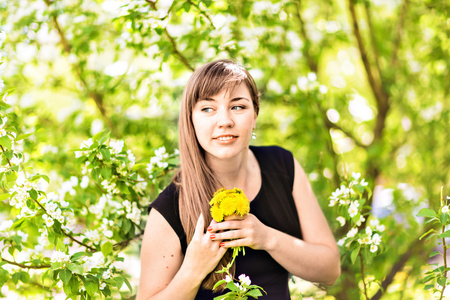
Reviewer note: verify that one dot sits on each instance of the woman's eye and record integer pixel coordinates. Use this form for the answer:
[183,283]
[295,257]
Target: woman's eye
[207,109]
[238,107]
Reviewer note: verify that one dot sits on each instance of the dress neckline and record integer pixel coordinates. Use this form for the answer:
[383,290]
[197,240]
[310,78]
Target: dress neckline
[253,148]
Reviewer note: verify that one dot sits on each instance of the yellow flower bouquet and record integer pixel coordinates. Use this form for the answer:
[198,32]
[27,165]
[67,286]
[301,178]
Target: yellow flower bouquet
[228,203]
[225,203]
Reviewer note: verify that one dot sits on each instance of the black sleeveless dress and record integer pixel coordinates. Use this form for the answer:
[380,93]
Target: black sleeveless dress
[273,205]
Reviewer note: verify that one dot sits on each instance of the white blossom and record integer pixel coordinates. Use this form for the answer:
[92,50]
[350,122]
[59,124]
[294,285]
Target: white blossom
[59,256]
[102,286]
[374,222]
[23,235]
[353,209]
[341,220]
[84,182]
[341,242]
[376,239]
[352,232]
[5,225]
[361,219]
[116,146]
[356,176]
[48,220]
[381,228]
[86,144]
[445,209]
[228,278]
[245,279]
[373,248]
[93,236]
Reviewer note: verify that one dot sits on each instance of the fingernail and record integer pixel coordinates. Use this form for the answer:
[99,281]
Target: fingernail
[212,236]
[222,244]
[209,228]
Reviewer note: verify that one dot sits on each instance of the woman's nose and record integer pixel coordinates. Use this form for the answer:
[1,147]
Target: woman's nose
[224,118]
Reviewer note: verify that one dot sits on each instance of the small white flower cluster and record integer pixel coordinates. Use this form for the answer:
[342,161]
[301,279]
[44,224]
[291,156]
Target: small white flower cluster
[243,284]
[60,257]
[371,235]
[141,185]
[342,196]
[97,260]
[19,192]
[110,187]
[85,148]
[158,160]
[132,211]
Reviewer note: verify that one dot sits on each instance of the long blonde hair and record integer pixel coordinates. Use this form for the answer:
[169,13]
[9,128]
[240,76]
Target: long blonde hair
[195,179]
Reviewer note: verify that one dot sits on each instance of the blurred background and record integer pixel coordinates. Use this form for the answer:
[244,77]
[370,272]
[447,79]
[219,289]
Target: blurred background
[347,86]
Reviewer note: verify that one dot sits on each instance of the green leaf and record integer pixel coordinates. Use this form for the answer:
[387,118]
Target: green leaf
[107,248]
[75,268]
[77,256]
[101,136]
[91,287]
[426,233]
[427,212]
[5,142]
[65,275]
[33,194]
[443,218]
[434,253]
[219,283]
[24,277]
[15,277]
[119,282]
[442,280]
[254,293]
[128,284]
[105,172]
[4,196]
[106,154]
[23,136]
[444,234]
[354,254]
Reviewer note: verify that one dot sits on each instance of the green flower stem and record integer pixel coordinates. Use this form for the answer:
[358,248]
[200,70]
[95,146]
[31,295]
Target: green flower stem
[362,275]
[444,247]
[445,263]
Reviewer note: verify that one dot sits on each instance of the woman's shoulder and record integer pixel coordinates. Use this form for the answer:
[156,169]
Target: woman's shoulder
[275,160]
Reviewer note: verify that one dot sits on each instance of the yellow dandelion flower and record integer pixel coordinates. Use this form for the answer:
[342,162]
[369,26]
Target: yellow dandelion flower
[229,202]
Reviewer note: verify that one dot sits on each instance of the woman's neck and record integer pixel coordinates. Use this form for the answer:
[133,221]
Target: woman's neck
[231,172]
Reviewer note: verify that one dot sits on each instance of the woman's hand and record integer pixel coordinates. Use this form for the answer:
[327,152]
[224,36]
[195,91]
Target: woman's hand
[203,253]
[240,231]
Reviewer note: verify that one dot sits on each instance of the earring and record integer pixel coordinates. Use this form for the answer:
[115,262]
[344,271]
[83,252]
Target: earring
[253,136]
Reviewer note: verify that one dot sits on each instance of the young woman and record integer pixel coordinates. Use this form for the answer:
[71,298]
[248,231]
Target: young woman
[285,232]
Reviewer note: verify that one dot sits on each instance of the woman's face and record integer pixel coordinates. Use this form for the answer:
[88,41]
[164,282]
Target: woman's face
[223,123]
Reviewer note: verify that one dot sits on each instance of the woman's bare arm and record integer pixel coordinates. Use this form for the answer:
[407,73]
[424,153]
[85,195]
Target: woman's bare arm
[165,272]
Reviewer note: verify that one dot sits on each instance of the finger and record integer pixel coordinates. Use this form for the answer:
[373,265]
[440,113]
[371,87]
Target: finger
[200,227]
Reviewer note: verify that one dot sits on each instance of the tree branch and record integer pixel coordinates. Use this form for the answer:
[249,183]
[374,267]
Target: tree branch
[373,41]
[172,42]
[202,12]
[65,233]
[23,265]
[98,98]
[398,33]
[309,59]
[380,97]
